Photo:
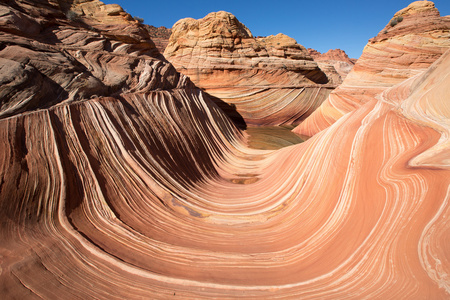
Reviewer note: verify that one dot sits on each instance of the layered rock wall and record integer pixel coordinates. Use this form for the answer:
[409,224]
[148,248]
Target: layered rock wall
[335,63]
[49,58]
[160,36]
[150,191]
[270,80]
[400,51]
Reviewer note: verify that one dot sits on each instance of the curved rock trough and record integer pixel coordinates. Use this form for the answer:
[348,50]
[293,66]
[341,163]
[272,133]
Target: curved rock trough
[120,179]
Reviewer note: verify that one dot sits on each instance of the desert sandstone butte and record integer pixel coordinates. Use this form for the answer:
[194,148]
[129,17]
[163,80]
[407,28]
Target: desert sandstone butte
[334,62]
[122,179]
[403,49]
[268,80]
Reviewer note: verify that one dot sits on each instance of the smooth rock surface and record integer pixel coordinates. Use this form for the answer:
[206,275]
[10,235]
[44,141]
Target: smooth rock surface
[397,53]
[150,192]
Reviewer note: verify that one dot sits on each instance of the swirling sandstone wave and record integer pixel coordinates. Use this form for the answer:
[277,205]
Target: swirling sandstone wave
[400,51]
[270,80]
[152,193]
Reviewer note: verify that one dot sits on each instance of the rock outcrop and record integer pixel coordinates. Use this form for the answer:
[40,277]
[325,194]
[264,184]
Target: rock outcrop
[335,63]
[51,57]
[160,36]
[270,80]
[150,192]
[415,38]
[96,11]
[331,55]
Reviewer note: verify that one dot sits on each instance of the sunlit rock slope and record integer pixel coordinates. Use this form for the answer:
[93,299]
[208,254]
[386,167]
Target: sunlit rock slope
[414,38]
[269,80]
[149,192]
[335,63]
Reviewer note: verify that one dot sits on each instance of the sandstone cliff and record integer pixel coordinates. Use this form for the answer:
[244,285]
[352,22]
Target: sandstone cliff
[270,80]
[331,55]
[160,36]
[150,192]
[409,43]
[59,53]
[335,63]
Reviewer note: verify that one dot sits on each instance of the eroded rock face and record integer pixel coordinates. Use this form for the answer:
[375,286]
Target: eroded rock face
[151,192]
[50,56]
[160,36]
[400,51]
[330,55]
[270,80]
[96,10]
[335,63]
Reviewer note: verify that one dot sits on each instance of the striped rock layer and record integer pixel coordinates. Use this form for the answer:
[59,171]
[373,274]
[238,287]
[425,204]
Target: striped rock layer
[159,35]
[409,44]
[271,80]
[151,192]
[335,61]
[53,54]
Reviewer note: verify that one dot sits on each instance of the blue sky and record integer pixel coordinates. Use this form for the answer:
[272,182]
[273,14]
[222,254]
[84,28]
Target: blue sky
[322,25]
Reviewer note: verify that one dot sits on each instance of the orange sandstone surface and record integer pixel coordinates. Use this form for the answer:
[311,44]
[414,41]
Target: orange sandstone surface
[334,60]
[142,187]
[410,43]
[267,80]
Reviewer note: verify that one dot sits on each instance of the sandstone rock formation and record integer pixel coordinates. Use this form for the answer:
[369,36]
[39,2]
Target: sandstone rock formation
[397,53]
[94,10]
[330,55]
[150,192]
[160,36]
[335,63]
[49,58]
[270,80]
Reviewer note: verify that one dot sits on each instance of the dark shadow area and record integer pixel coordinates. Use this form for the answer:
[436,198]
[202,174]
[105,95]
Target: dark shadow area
[230,110]
[317,76]
[73,183]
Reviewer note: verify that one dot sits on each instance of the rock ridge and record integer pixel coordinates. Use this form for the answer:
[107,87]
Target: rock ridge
[221,56]
[400,51]
[335,63]
[102,50]
[151,192]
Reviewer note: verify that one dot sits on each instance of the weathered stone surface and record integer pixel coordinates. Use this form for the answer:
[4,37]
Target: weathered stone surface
[70,60]
[13,21]
[331,55]
[98,11]
[335,63]
[397,53]
[270,80]
[160,36]
[151,193]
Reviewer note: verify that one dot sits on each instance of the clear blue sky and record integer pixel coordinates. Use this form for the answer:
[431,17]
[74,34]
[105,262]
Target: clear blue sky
[322,25]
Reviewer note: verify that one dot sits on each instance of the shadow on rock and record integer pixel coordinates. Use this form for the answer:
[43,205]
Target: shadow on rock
[230,110]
